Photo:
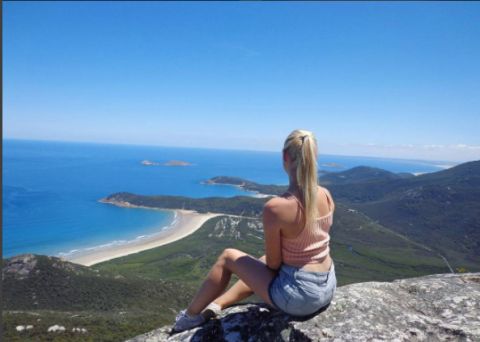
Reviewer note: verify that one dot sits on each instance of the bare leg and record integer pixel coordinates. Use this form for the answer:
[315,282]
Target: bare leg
[237,292]
[250,270]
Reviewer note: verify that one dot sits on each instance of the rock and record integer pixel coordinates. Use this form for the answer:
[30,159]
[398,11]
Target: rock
[20,266]
[56,328]
[430,308]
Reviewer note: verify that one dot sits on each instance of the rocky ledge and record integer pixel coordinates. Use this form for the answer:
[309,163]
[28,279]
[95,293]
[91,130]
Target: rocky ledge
[432,308]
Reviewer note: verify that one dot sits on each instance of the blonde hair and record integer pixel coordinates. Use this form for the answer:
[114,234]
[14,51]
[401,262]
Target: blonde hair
[301,146]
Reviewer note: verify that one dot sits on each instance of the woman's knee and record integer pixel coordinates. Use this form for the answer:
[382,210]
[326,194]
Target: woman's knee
[229,254]
[232,254]
[229,257]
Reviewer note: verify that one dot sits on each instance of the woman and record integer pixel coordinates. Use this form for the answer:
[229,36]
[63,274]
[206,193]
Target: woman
[296,275]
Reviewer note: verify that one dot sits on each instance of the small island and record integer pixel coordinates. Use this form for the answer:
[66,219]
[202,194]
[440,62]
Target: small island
[149,163]
[168,163]
[177,163]
[333,165]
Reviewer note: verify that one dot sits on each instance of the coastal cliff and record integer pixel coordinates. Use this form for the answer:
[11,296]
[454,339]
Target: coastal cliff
[430,308]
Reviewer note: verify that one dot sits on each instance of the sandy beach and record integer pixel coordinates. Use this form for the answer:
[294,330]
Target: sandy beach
[187,222]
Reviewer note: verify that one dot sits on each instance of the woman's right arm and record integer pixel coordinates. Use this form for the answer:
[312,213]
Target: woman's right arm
[271,229]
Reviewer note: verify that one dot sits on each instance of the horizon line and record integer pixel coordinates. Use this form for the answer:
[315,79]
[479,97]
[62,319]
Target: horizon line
[232,149]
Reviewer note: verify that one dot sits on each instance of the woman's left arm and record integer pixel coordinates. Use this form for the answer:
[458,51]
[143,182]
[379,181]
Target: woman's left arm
[271,229]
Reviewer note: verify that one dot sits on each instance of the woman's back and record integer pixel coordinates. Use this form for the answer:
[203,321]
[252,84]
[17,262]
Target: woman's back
[306,246]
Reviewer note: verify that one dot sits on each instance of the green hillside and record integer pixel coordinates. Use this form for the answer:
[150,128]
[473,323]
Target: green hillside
[386,226]
[362,249]
[440,210]
[129,295]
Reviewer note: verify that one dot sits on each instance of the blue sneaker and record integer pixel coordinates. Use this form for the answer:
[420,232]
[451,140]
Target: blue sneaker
[183,321]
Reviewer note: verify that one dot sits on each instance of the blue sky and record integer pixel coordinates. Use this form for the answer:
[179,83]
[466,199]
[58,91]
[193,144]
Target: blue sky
[397,79]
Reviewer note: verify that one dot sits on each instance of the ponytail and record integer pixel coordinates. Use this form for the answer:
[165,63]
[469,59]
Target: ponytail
[307,178]
[301,146]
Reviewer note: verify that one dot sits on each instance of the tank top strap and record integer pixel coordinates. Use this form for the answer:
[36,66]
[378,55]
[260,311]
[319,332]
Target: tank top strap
[299,202]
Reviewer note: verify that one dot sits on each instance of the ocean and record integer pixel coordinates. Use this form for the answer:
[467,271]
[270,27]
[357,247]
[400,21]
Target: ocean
[51,189]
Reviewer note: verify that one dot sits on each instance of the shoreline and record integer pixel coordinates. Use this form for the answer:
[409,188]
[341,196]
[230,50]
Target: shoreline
[255,193]
[185,223]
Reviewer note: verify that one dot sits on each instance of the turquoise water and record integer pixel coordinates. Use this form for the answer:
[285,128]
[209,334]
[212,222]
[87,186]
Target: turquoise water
[51,189]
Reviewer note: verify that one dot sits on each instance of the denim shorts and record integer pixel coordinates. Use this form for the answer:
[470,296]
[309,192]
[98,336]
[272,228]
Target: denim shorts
[301,293]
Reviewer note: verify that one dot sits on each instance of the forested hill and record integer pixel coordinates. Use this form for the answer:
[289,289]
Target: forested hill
[42,292]
[238,205]
[361,174]
[466,174]
[375,184]
[439,209]
[269,189]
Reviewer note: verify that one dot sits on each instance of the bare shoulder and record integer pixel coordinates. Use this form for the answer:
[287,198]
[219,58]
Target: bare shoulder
[326,190]
[322,188]
[274,205]
[276,209]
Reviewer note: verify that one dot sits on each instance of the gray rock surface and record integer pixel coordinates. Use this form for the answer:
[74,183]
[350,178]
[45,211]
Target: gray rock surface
[19,266]
[443,307]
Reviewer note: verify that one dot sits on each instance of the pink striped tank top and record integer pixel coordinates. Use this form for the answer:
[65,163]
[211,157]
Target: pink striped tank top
[312,244]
